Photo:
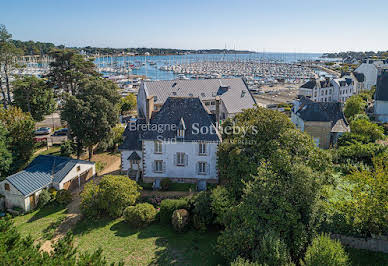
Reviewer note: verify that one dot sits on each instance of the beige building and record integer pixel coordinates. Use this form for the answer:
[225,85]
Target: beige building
[323,121]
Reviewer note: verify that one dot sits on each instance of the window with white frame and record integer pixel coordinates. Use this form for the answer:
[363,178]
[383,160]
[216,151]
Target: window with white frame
[181,133]
[202,168]
[158,147]
[202,148]
[180,158]
[158,166]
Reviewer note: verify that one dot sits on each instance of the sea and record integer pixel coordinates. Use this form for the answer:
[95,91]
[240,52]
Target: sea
[149,66]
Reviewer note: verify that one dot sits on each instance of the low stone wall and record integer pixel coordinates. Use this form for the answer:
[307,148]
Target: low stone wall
[372,244]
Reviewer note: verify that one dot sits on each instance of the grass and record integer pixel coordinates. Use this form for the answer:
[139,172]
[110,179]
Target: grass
[38,222]
[53,150]
[156,244]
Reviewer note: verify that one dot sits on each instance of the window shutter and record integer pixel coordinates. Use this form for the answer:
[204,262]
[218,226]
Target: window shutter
[163,167]
[175,159]
[197,148]
[154,166]
[207,168]
[197,167]
[186,158]
[206,147]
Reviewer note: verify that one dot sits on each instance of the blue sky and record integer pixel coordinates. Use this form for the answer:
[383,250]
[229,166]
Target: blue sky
[271,25]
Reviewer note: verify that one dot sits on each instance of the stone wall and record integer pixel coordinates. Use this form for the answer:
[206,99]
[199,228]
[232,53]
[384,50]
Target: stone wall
[372,244]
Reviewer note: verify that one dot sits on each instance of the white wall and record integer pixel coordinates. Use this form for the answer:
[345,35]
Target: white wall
[74,173]
[125,162]
[298,122]
[171,170]
[13,197]
[370,72]
[141,101]
[381,111]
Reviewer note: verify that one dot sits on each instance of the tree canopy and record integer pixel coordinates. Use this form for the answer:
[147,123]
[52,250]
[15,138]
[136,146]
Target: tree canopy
[276,173]
[5,153]
[68,70]
[92,112]
[128,103]
[20,127]
[353,106]
[33,95]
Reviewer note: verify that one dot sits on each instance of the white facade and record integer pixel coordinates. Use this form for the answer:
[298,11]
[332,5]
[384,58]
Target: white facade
[78,170]
[14,198]
[370,72]
[333,93]
[189,169]
[381,111]
[127,164]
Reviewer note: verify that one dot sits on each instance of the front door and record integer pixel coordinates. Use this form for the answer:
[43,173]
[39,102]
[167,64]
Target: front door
[32,201]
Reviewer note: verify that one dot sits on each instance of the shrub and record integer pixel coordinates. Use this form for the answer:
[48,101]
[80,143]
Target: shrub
[63,197]
[110,197]
[165,183]
[44,198]
[53,193]
[100,166]
[168,206]
[116,193]
[67,148]
[89,200]
[272,251]
[203,214]
[221,202]
[325,251]
[140,215]
[180,220]
[243,262]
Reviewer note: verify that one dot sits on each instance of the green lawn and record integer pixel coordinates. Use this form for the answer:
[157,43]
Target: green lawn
[37,223]
[156,244]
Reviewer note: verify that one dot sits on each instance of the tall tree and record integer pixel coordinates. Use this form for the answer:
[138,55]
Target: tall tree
[20,127]
[68,70]
[5,153]
[8,59]
[92,112]
[275,173]
[128,103]
[33,95]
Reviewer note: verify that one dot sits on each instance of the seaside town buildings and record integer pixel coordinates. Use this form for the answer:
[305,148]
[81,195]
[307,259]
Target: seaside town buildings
[323,121]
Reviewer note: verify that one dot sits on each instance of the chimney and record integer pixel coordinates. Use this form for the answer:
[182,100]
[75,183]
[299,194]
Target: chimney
[217,110]
[149,108]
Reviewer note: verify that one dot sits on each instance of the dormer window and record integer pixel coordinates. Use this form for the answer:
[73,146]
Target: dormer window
[181,129]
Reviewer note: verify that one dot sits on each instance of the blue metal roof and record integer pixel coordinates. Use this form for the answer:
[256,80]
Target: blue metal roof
[41,172]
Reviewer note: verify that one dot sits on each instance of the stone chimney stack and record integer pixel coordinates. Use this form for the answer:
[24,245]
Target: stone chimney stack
[218,99]
[149,108]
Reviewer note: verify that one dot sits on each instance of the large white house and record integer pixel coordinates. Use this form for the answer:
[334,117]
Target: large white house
[178,142]
[370,69]
[233,94]
[381,97]
[332,90]
[23,188]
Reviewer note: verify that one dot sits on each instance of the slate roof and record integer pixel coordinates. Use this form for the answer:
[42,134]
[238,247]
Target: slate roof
[382,86]
[313,83]
[191,111]
[41,172]
[132,138]
[233,92]
[359,76]
[323,112]
[134,156]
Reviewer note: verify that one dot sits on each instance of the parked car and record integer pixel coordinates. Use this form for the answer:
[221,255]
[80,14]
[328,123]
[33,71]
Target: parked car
[43,131]
[61,132]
